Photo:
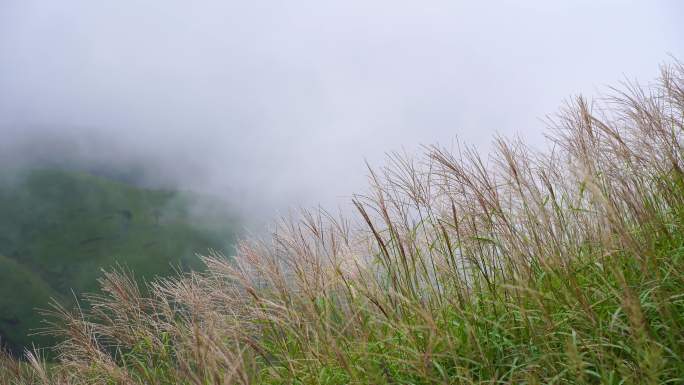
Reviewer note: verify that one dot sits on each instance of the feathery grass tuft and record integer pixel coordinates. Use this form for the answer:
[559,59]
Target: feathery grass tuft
[528,267]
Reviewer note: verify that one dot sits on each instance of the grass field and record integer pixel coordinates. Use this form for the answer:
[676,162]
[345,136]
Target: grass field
[559,267]
[58,229]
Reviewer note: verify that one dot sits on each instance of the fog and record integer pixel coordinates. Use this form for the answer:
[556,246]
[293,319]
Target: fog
[277,104]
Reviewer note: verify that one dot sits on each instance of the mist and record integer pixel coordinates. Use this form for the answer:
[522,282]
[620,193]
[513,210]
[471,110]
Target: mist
[272,105]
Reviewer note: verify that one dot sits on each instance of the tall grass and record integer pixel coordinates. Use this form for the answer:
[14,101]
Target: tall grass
[528,267]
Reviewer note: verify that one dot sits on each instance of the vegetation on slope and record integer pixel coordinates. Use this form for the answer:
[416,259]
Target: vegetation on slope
[530,268]
[58,229]
[21,289]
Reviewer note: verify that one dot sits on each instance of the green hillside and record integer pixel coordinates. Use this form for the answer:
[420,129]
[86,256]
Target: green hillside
[58,229]
[20,288]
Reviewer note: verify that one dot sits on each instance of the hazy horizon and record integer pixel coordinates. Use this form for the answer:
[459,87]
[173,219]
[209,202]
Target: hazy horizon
[274,105]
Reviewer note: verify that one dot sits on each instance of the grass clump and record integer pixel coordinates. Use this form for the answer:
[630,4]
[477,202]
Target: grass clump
[556,267]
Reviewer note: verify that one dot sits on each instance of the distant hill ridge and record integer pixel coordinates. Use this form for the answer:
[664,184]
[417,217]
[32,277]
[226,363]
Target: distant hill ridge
[59,228]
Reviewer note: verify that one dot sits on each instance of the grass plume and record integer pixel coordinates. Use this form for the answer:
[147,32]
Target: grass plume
[562,266]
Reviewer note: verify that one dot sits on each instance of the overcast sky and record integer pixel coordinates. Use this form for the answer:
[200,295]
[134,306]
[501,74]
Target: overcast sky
[277,103]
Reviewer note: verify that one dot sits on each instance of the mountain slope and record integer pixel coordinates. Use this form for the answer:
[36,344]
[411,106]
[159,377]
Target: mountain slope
[58,229]
[19,289]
